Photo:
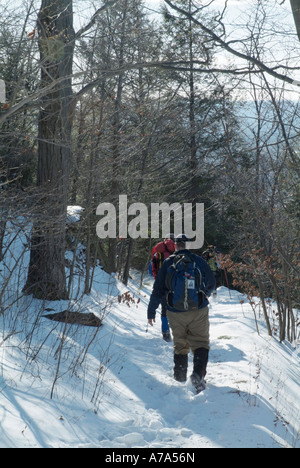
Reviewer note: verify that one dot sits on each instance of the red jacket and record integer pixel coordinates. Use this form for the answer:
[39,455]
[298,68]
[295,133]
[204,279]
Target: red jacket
[160,252]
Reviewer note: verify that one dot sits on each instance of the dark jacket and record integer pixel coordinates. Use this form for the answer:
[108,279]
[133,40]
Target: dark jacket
[160,290]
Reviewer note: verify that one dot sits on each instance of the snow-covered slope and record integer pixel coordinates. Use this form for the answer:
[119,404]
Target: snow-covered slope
[252,398]
[114,388]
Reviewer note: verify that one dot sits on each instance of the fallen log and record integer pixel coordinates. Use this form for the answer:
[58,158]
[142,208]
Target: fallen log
[75,318]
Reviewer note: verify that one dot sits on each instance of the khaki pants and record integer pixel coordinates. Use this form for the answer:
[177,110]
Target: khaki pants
[190,330]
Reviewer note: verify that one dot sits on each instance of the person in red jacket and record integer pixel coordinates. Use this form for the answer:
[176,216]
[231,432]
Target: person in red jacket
[160,253]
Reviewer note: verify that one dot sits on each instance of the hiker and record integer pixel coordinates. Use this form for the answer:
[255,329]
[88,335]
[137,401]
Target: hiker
[211,256]
[161,252]
[186,281]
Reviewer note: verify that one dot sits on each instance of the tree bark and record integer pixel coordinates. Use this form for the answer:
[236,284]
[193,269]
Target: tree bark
[46,275]
[295,4]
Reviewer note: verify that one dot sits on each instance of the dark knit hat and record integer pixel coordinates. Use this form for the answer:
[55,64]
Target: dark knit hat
[181,239]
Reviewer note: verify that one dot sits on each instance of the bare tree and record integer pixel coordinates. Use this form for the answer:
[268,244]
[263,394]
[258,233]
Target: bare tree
[56,38]
[46,275]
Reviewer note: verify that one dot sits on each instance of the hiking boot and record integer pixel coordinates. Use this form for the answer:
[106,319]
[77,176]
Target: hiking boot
[167,336]
[198,382]
[181,367]
[200,361]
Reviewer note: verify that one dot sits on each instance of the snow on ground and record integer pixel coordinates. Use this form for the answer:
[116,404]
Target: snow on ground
[114,388]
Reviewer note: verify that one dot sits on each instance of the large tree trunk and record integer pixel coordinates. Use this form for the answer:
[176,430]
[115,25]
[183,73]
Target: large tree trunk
[295,4]
[46,275]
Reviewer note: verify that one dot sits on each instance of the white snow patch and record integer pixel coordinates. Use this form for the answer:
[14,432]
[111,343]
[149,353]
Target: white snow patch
[115,389]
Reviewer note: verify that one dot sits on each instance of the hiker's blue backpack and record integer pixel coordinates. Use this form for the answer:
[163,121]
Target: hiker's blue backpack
[184,283]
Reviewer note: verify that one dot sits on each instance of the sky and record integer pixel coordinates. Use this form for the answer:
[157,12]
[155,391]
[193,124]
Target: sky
[237,10]
[280,47]
[237,15]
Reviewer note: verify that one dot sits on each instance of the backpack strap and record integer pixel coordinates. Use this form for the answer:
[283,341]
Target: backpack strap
[177,258]
[157,260]
[169,278]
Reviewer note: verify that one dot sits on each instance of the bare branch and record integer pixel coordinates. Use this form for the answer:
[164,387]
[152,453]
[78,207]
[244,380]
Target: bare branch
[225,45]
[88,26]
[181,66]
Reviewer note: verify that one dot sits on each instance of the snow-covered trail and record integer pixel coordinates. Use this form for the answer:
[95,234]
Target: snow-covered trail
[243,404]
[252,396]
